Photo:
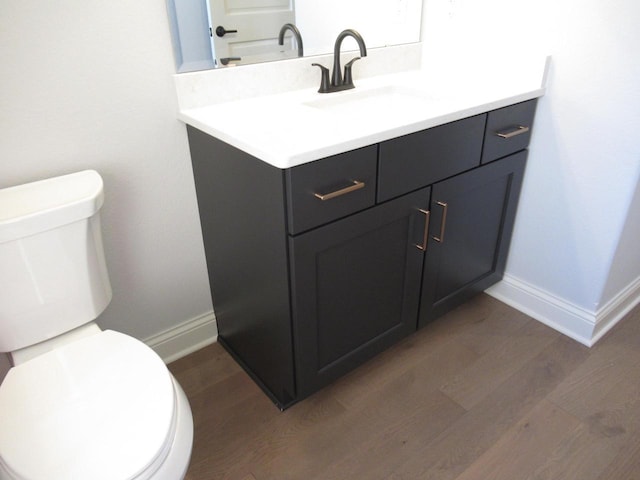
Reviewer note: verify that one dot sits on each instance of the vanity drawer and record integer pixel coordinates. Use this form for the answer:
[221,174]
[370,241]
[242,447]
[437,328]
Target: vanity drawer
[508,130]
[420,159]
[331,188]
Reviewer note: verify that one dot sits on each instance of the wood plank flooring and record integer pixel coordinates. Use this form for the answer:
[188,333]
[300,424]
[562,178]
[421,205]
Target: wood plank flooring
[482,393]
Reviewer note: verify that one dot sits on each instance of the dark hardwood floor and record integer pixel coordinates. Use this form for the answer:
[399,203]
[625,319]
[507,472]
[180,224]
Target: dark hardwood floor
[482,393]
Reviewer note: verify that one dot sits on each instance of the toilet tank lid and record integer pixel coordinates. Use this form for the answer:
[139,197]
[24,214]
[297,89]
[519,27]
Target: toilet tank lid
[46,204]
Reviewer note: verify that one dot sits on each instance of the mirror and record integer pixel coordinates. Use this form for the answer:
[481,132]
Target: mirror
[380,22]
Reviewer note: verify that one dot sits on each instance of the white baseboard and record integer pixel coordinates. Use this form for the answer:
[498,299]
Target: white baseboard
[553,311]
[614,310]
[585,326]
[185,338]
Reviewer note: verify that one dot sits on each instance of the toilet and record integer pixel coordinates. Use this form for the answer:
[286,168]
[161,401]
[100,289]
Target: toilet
[78,402]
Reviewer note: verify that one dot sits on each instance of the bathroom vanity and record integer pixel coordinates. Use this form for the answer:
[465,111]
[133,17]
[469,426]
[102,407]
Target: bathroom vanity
[317,262]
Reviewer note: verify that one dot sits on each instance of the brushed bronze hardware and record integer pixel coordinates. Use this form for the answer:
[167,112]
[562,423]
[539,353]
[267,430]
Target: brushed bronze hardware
[512,132]
[443,223]
[427,214]
[357,185]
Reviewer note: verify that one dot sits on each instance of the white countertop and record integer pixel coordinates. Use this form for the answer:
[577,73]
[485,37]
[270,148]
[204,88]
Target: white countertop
[297,127]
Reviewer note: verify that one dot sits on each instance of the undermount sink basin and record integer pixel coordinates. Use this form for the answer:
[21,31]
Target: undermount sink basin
[386,99]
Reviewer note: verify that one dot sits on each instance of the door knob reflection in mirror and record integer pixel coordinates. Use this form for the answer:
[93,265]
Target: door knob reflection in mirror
[226,60]
[221,32]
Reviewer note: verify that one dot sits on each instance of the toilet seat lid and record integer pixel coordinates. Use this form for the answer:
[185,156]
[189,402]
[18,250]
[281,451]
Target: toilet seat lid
[102,407]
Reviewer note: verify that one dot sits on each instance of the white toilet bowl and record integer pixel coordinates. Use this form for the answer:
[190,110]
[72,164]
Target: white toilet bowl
[101,407]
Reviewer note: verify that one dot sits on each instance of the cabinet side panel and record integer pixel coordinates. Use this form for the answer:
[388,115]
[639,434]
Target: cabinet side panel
[242,213]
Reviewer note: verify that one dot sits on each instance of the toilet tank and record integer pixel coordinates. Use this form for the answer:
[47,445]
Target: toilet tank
[53,275]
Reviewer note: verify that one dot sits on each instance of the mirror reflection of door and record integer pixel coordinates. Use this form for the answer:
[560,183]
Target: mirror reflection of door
[257,24]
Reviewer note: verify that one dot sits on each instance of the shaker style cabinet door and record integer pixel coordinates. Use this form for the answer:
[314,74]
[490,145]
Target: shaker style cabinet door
[355,288]
[472,217]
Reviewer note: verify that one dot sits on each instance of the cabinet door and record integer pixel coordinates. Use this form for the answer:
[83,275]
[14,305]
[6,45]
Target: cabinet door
[355,288]
[472,218]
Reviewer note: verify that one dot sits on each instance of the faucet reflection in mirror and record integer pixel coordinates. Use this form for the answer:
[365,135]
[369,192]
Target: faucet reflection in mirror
[338,82]
[287,26]
[296,34]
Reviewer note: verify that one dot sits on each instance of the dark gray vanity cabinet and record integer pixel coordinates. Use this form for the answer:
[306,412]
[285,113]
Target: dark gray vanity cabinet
[317,268]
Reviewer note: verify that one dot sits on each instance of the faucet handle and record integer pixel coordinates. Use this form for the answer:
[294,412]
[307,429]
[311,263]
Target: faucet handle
[348,77]
[324,81]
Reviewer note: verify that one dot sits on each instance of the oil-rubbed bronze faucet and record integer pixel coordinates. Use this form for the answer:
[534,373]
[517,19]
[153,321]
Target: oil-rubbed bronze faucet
[296,33]
[338,82]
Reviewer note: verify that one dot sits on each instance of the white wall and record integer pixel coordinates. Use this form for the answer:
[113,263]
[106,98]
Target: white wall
[88,84]
[575,242]
[623,273]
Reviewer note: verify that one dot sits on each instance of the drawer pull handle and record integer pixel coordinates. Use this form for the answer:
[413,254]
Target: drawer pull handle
[351,188]
[443,223]
[512,132]
[425,238]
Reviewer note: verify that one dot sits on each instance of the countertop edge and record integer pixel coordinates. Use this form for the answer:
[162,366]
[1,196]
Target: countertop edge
[284,159]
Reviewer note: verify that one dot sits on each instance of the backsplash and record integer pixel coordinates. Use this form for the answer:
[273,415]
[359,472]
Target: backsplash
[220,85]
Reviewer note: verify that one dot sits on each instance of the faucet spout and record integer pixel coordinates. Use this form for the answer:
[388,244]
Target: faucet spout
[296,33]
[336,78]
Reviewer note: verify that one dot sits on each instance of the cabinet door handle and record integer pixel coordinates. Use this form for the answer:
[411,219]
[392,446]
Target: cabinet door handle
[357,185]
[425,238]
[443,223]
[513,131]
